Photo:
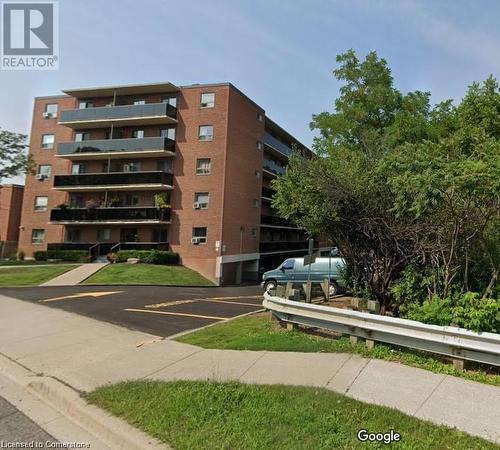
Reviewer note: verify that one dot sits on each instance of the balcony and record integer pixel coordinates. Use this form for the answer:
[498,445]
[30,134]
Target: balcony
[117,148]
[119,216]
[273,168]
[126,115]
[277,145]
[117,181]
[267,192]
[283,246]
[276,222]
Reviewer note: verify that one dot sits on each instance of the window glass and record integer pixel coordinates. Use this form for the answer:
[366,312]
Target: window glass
[139,134]
[78,168]
[45,169]
[51,109]
[131,200]
[48,141]
[202,200]
[199,235]
[41,203]
[131,167]
[140,102]
[170,99]
[159,235]
[73,235]
[203,166]
[80,136]
[168,132]
[207,100]
[206,133]
[288,264]
[37,236]
[164,165]
[104,234]
[85,104]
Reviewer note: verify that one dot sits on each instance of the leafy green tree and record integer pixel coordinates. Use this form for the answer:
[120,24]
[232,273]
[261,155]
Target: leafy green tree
[13,157]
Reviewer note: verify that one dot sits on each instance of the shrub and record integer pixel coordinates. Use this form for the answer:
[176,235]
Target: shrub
[63,255]
[436,311]
[476,313]
[41,255]
[148,256]
[20,255]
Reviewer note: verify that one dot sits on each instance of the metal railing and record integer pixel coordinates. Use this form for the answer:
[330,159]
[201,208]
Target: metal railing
[113,178]
[272,167]
[268,192]
[276,221]
[276,144]
[118,112]
[116,145]
[135,214]
[457,343]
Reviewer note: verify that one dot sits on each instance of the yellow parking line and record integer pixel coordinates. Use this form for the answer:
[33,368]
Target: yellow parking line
[177,314]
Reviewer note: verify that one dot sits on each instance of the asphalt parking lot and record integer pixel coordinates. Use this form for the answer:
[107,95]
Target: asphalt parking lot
[159,310]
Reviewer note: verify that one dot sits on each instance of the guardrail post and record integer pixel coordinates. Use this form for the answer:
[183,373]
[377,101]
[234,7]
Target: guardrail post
[325,286]
[307,288]
[370,344]
[291,326]
[353,339]
[289,290]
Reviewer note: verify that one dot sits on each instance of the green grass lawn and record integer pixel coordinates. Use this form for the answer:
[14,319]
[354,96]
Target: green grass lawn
[210,415]
[31,276]
[147,274]
[258,332]
[29,262]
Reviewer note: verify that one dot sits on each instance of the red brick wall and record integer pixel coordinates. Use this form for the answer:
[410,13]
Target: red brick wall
[11,200]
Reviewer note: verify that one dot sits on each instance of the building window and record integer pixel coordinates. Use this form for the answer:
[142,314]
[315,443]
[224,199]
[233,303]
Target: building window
[254,232]
[201,200]
[50,110]
[73,235]
[131,167]
[77,168]
[104,234]
[170,99]
[168,133]
[138,134]
[259,145]
[257,174]
[79,137]
[159,235]
[48,141]
[41,203]
[164,165]
[206,133]
[207,100]
[37,236]
[199,235]
[203,166]
[140,102]
[131,200]
[85,104]
[260,117]
[256,203]
[44,170]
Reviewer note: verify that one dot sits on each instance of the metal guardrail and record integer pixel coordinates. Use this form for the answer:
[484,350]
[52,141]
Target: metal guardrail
[457,343]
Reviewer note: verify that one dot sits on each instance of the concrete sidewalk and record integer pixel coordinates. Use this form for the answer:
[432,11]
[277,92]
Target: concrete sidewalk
[75,276]
[85,353]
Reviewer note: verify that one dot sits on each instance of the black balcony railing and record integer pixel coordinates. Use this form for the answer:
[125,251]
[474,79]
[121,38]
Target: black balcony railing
[116,145]
[137,214]
[276,144]
[119,112]
[271,166]
[266,247]
[113,179]
[276,221]
[268,192]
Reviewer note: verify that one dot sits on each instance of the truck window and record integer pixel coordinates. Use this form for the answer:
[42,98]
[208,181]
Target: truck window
[288,264]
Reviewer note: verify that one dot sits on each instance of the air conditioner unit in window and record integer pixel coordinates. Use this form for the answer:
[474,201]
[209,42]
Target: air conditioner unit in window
[49,115]
[197,240]
[40,176]
[196,205]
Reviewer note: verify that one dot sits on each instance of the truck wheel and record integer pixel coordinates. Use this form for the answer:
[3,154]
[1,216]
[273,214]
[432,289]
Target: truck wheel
[270,285]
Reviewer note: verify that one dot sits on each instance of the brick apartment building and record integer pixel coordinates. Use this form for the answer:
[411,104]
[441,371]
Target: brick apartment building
[11,200]
[160,166]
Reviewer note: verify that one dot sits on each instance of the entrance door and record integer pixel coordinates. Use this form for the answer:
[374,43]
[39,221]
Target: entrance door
[129,235]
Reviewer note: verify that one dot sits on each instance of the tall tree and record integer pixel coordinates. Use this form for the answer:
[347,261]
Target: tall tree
[13,156]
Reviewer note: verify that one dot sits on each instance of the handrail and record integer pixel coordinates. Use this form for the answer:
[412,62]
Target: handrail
[97,244]
[114,246]
[457,343]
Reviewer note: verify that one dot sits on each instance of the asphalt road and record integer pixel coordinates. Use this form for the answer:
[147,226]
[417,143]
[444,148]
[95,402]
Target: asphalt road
[159,310]
[15,427]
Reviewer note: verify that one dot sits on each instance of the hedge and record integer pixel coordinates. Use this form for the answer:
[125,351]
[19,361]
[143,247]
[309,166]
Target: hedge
[148,256]
[63,255]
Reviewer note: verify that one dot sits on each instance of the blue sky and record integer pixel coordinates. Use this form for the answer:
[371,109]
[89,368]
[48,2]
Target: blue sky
[281,54]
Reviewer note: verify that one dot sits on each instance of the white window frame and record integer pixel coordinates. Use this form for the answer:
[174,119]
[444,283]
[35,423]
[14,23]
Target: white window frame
[38,240]
[48,173]
[203,205]
[205,136]
[200,170]
[207,103]
[50,144]
[42,207]
[203,238]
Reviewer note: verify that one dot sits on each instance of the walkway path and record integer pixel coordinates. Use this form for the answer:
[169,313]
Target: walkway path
[85,353]
[75,276]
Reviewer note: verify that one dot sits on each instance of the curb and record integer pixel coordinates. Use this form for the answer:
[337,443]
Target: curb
[112,431]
